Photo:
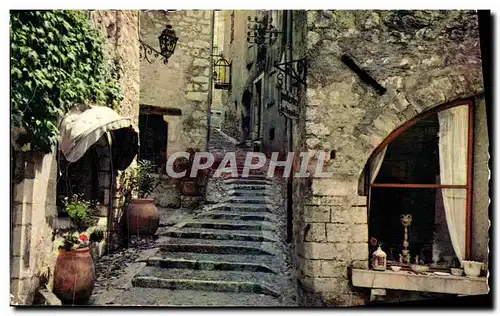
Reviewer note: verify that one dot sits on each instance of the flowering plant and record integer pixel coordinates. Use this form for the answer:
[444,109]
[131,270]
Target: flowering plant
[80,210]
[73,241]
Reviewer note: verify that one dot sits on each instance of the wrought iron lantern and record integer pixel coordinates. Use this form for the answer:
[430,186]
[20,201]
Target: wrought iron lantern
[168,41]
[222,74]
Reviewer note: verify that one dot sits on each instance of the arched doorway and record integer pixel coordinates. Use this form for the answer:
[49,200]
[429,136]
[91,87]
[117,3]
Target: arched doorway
[424,168]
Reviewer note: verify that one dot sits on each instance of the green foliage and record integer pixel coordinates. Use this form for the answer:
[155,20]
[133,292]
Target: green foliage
[57,60]
[145,182]
[139,180]
[97,235]
[79,210]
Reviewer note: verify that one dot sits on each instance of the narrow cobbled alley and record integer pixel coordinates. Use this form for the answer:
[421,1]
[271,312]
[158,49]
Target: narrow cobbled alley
[230,253]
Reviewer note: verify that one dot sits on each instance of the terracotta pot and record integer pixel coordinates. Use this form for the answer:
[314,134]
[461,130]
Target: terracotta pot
[74,275]
[142,217]
[189,188]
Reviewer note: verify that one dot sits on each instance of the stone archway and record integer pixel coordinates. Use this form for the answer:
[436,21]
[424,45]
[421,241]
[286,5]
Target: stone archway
[419,94]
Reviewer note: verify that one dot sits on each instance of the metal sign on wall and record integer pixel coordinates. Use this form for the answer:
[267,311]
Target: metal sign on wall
[290,95]
[289,105]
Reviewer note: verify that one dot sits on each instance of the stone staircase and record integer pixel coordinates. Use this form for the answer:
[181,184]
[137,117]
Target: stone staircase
[232,254]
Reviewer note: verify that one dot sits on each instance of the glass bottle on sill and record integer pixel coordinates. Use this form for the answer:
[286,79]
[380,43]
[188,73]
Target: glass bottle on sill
[379,260]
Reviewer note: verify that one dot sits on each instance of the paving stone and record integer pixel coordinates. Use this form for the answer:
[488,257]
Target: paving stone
[187,298]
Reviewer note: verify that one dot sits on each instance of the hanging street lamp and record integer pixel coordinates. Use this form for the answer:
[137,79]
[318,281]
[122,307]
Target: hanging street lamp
[168,41]
[222,74]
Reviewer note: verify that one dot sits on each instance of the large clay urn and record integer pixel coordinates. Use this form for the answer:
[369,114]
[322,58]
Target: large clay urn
[74,276]
[142,217]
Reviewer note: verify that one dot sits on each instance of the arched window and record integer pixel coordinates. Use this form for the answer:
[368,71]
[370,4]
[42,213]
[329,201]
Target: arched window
[424,168]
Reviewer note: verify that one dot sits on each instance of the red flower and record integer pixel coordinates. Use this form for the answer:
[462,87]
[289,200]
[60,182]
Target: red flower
[373,241]
[84,237]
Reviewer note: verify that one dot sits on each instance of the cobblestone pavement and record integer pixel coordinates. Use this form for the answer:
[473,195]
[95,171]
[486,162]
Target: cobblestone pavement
[229,253]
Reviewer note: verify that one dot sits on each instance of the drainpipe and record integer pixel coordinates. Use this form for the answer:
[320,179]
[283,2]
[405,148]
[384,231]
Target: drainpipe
[289,58]
[210,77]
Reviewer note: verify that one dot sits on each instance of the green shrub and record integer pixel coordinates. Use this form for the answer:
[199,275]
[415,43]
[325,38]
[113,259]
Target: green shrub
[79,210]
[57,59]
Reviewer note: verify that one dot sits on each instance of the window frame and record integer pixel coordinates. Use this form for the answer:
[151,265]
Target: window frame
[470,102]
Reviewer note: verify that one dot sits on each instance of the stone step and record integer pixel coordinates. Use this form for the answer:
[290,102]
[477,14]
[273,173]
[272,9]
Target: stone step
[176,263]
[249,193]
[203,233]
[211,246]
[206,280]
[139,296]
[239,215]
[265,182]
[249,187]
[247,199]
[231,224]
[264,260]
[247,207]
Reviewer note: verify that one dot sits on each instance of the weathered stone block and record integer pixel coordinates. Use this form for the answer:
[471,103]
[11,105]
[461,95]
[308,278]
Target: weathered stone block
[195,13]
[313,214]
[312,39]
[334,187]
[360,264]
[23,192]
[360,200]
[313,250]
[200,79]
[335,299]
[337,232]
[317,129]
[333,268]
[199,62]
[340,214]
[16,270]
[311,268]
[359,214]
[22,214]
[316,232]
[359,251]
[196,96]
[325,285]
[359,233]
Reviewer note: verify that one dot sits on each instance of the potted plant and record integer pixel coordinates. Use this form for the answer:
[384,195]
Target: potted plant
[190,186]
[74,274]
[142,215]
[80,211]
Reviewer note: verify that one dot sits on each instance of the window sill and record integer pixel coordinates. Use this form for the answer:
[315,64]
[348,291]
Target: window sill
[407,281]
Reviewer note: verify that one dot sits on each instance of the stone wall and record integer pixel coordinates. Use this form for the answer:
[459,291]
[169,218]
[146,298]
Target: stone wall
[120,29]
[423,59]
[33,213]
[183,82]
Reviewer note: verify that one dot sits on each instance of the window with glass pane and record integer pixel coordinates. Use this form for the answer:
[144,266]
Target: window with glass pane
[424,172]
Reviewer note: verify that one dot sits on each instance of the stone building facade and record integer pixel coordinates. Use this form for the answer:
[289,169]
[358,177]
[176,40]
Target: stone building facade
[423,59]
[419,60]
[34,244]
[251,105]
[182,84]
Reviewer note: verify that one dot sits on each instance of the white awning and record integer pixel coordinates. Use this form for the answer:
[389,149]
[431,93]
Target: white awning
[80,129]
